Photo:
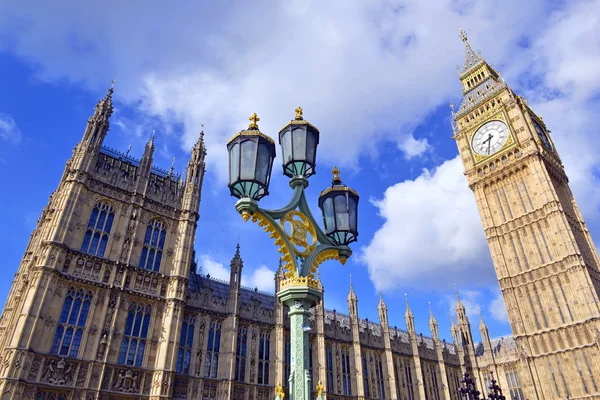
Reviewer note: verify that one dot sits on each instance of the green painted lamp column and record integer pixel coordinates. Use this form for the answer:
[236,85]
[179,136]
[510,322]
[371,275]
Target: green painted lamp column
[300,240]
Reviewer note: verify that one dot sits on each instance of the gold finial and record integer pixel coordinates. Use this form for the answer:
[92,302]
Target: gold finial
[299,113]
[254,119]
[320,388]
[336,173]
[279,391]
[463,35]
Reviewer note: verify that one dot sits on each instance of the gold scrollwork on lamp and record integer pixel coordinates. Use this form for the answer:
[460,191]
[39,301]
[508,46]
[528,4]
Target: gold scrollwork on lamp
[329,254]
[286,257]
[302,233]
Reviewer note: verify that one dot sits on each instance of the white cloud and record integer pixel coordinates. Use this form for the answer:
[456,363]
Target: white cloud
[412,147]
[213,268]
[432,235]
[498,309]
[363,71]
[471,299]
[9,131]
[261,277]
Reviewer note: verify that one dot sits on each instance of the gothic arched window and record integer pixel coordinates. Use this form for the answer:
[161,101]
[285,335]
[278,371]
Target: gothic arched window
[98,229]
[264,349]
[71,322]
[134,337]
[240,354]
[154,242]
[212,350]
[186,342]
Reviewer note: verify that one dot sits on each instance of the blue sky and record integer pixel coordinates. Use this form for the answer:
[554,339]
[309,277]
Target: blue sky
[376,78]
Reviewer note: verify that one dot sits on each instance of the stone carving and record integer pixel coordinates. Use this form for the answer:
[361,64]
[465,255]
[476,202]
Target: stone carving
[147,383]
[35,367]
[126,381]
[102,346]
[58,373]
[82,375]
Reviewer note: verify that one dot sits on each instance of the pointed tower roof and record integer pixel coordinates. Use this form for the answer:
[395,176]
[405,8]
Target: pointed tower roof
[482,325]
[351,294]
[471,57]
[459,305]
[381,304]
[432,320]
[199,149]
[408,312]
[237,257]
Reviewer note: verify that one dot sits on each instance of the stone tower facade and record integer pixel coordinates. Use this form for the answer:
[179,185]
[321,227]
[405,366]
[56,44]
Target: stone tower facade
[103,280]
[544,257]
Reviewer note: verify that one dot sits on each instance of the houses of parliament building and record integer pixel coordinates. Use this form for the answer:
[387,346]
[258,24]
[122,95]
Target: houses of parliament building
[107,303]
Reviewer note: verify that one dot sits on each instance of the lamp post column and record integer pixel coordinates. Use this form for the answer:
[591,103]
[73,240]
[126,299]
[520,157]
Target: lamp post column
[299,298]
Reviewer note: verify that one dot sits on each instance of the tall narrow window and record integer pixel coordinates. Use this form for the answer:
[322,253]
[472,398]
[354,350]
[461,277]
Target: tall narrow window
[212,350]
[98,229]
[264,349]
[286,360]
[514,386]
[436,390]
[366,375]
[379,375]
[329,369]
[310,358]
[154,241]
[71,322]
[135,335]
[186,342]
[346,375]
[240,354]
[409,381]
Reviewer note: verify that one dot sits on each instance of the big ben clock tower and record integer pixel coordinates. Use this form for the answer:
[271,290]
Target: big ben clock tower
[543,254]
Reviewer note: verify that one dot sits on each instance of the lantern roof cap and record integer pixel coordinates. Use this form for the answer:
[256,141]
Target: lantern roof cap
[299,120]
[252,130]
[337,185]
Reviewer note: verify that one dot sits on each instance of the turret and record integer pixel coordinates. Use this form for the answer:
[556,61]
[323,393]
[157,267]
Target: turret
[483,330]
[433,326]
[352,302]
[382,308]
[409,317]
[235,278]
[194,176]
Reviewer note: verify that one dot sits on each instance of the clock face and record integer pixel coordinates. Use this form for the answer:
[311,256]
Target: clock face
[542,134]
[490,138]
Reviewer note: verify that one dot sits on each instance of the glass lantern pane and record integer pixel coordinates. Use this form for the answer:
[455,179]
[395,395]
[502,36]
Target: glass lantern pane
[262,164]
[311,147]
[248,164]
[234,163]
[299,143]
[328,215]
[352,206]
[286,146]
[341,213]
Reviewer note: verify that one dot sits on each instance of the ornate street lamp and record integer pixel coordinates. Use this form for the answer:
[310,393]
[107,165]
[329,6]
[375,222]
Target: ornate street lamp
[468,390]
[495,390]
[302,243]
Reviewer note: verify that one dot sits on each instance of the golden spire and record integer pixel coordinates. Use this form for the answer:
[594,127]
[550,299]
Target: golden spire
[299,113]
[320,388]
[336,173]
[463,35]
[253,119]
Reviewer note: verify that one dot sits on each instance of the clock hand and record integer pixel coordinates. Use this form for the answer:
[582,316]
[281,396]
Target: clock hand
[489,144]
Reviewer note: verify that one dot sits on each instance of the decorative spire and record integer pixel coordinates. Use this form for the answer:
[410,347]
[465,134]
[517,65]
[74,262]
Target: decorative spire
[433,324]
[299,113]
[253,121]
[431,317]
[199,149]
[172,166]
[237,256]
[104,108]
[408,311]
[381,305]
[459,305]
[471,57]
[482,326]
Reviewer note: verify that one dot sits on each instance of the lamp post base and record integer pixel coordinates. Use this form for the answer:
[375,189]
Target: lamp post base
[299,299]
